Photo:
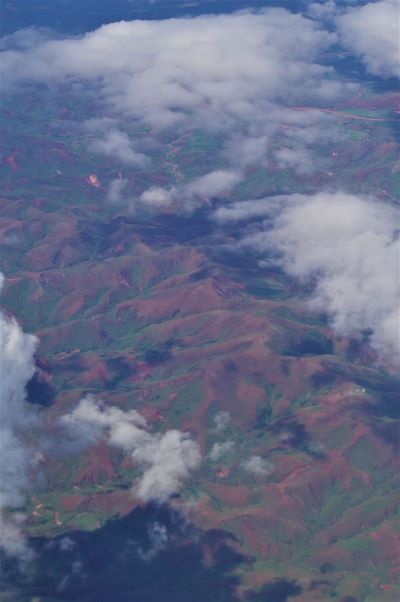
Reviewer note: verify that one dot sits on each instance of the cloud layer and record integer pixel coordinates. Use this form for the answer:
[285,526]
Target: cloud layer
[161,71]
[189,73]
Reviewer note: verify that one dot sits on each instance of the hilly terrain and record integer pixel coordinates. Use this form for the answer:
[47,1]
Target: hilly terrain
[162,309]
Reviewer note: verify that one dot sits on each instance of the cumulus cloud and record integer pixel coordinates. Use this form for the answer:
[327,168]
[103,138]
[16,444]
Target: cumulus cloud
[220,449]
[347,247]
[257,465]
[373,31]
[323,9]
[26,38]
[17,419]
[156,196]
[166,459]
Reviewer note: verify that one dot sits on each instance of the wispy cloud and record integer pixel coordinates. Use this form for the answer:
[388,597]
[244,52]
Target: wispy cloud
[115,193]
[218,183]
[117,144]
[221,421]
[157,535]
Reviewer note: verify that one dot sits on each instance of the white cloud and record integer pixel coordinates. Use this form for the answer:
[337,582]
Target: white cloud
[116,189]
[296,158]
[116,144]
[323,9]
[157,541]
[25,39]
[156,196]
[185,60]
[348,246]
[166,459]
[220,449]
[373,32]
[215,183]
[66,544]
[244,210]
[187,73]
[17,419]
[257,465]
[222,421]
[249,148]
[293,138]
